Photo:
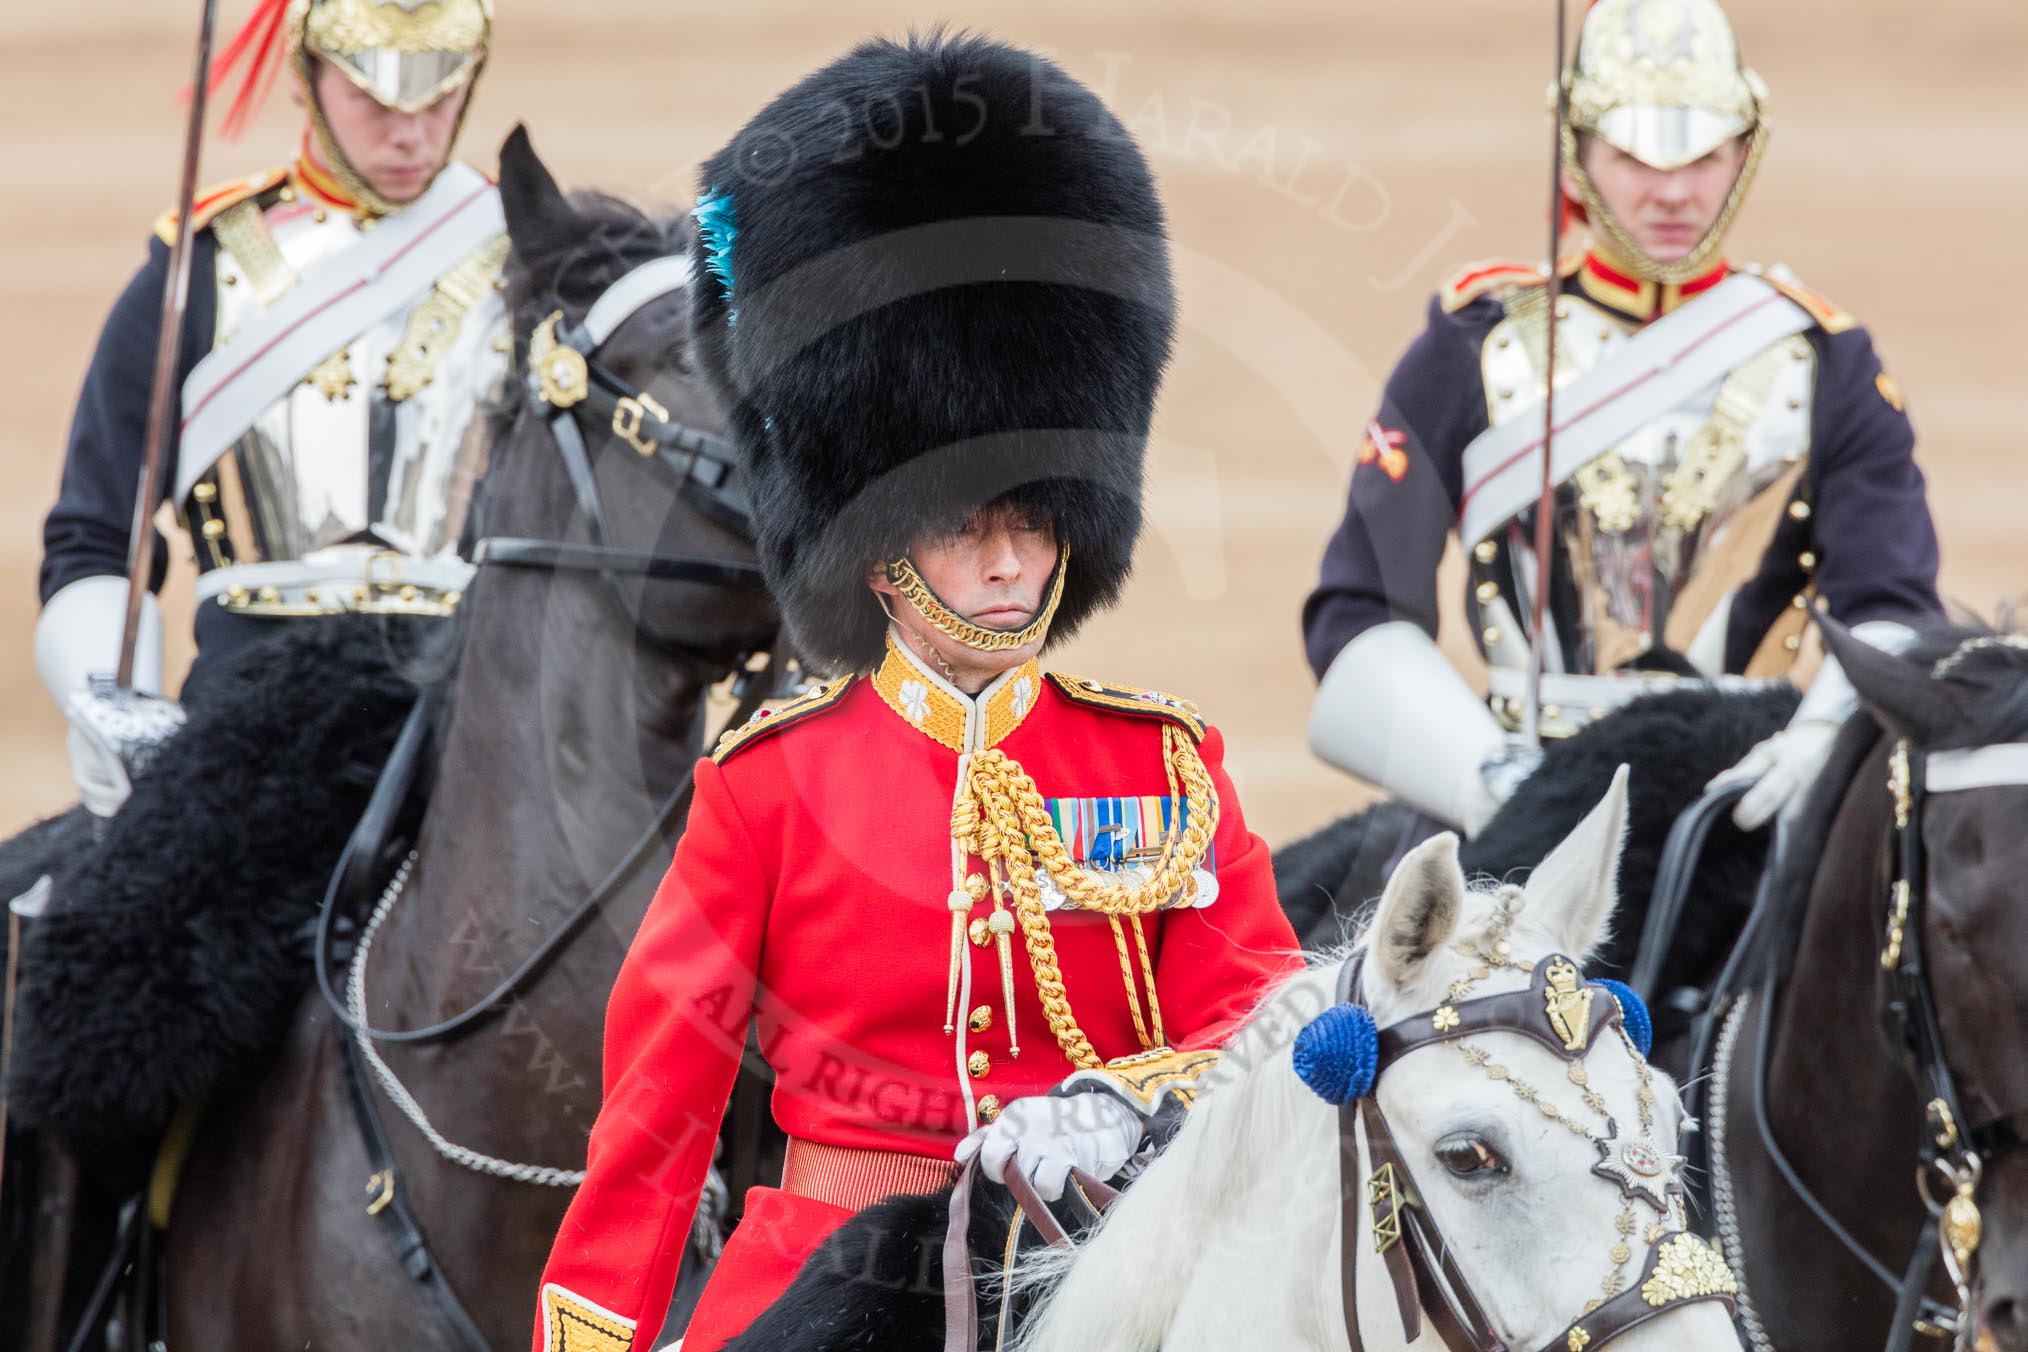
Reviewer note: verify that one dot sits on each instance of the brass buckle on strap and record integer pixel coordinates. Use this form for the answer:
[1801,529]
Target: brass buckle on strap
[628,415]
[1383,1202]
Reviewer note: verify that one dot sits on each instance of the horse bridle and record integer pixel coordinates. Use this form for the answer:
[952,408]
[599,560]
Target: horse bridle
[1680,1267]
[566,377]
[702,460]
[1950,1152]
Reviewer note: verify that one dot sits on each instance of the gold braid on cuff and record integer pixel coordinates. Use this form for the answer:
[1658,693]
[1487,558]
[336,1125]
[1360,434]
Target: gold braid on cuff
[917,593]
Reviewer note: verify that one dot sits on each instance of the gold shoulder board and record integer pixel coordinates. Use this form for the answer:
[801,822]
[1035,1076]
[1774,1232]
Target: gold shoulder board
[1831,317]
[220,197]
[1129,699]
[768,722]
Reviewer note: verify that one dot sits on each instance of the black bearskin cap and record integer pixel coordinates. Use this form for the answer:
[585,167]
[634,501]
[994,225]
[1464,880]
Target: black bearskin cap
[933,277]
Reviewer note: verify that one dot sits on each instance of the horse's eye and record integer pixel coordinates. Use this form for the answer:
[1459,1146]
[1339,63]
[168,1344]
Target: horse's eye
[1466,1155]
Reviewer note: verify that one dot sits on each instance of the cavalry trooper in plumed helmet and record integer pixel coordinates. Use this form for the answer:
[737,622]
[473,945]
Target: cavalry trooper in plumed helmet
[1729,452]
[342,333]
[975,906]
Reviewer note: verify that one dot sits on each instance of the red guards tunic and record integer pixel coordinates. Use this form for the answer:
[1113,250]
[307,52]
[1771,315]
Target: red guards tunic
[810,890]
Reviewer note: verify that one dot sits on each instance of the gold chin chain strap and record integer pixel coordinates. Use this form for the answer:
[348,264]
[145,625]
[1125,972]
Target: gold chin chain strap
[999,815]
[917,592]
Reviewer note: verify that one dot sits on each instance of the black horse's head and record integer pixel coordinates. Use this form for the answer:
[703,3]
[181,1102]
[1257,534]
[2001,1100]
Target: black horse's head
[569,250]
[1951,696]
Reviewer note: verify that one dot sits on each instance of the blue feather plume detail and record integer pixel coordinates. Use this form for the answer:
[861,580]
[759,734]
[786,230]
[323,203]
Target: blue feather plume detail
[718,227]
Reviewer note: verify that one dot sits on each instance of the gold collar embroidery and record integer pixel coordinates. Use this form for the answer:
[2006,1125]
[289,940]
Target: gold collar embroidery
[939,710]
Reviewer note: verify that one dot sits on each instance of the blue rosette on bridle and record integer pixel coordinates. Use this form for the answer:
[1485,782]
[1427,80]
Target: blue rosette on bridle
[1338,1053]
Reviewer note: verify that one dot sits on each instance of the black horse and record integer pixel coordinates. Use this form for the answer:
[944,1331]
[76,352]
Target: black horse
[570,714]
[1883,1041]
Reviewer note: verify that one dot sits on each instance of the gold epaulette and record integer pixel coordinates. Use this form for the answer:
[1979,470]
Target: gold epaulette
[767,722]
[1128,699]
[209,202]
[1498,277]
[1829,316]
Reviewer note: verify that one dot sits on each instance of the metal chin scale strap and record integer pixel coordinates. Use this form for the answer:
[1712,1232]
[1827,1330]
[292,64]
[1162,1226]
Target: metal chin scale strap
[1341,1056]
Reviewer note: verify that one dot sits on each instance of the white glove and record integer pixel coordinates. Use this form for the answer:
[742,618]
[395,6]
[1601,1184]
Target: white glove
[1393,711]
[77,638]
[1779,769]
[113,736]
[1046,1137]
[1783,766]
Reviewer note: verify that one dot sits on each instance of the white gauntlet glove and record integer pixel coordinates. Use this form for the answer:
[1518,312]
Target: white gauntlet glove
[1393,711]
[1781,768]
[1046,1137]
[113,733]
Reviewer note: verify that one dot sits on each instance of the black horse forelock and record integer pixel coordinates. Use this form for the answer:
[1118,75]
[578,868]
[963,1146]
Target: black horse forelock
[570,265]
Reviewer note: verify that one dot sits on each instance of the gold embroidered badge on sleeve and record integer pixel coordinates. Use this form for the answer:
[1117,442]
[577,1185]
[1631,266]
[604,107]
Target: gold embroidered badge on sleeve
[575,1324]
[1152,1076]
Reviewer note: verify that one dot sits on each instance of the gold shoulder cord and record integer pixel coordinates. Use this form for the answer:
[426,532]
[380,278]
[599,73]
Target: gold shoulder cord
[1000,816]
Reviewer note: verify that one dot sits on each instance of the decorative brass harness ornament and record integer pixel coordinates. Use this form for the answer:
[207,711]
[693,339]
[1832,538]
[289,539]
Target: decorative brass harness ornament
[1560,1013]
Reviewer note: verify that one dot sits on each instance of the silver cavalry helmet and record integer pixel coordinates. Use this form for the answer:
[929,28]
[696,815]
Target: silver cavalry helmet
[1661,80]
[407,54]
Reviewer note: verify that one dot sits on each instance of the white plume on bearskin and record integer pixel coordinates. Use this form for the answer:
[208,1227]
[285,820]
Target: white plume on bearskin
[935,276]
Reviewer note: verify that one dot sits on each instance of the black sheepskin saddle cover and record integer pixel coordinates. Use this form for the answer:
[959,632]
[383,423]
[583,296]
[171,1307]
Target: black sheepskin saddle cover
[174,947]
[1673,742]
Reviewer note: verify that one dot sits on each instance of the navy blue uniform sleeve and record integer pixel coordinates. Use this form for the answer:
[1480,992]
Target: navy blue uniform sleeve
[1876,542]
[1381,562]
[85,534]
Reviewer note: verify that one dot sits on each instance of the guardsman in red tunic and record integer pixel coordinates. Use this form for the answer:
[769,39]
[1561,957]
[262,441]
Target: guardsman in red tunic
[935,296]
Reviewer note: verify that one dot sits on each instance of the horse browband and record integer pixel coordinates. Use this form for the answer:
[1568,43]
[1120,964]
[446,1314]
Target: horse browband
[1414,1252]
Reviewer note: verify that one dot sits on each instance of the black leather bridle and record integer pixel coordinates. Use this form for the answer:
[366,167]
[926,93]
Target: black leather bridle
[708,470]
[566,377]
[1952,1151]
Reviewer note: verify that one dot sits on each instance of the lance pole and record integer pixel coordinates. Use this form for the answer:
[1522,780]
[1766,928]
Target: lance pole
[168,346]
[1545,503]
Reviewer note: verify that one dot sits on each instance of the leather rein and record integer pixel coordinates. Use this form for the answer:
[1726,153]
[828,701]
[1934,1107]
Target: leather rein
[1950,1153]
[708,470]
[1422,1268]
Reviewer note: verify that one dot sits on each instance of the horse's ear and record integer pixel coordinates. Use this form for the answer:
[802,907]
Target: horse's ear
[1574,890]
[1897,689]
[538,216]
[1418,911]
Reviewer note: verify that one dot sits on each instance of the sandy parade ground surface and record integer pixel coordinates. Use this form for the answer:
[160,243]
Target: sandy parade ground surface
[1325,165]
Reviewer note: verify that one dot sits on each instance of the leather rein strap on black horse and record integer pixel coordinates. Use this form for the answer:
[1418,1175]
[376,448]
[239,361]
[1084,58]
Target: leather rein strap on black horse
[698,457]
[1950,1150]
